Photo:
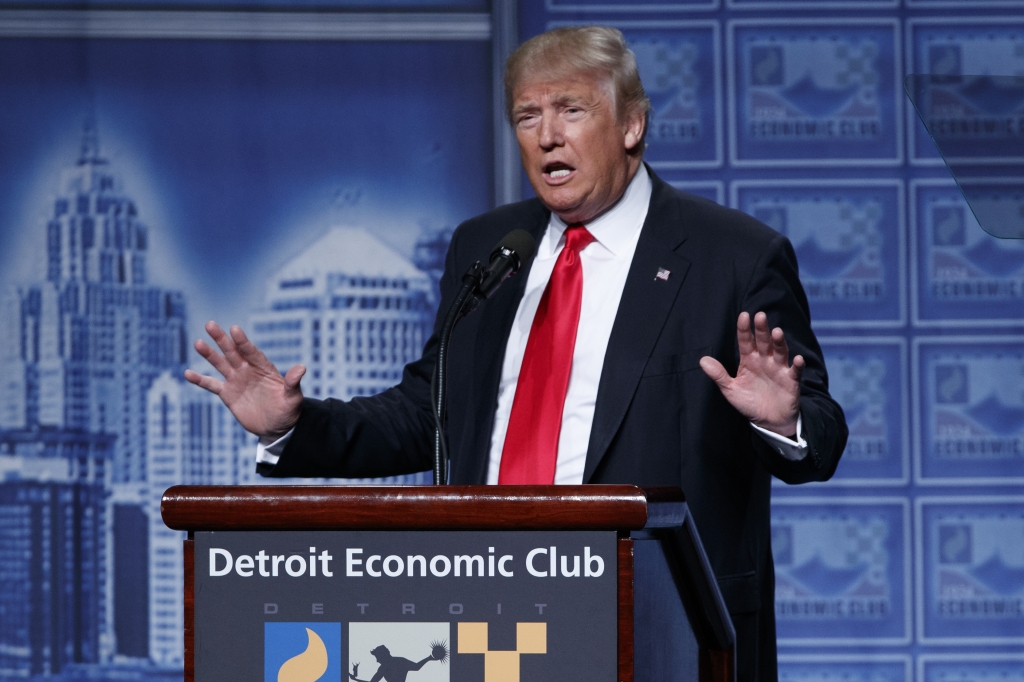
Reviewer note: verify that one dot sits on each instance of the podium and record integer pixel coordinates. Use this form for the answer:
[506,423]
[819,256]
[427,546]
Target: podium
[650,609]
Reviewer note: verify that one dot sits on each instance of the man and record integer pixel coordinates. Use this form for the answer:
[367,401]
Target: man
[583,368]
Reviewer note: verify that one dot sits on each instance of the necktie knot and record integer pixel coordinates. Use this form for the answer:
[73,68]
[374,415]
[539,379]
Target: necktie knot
[577,237]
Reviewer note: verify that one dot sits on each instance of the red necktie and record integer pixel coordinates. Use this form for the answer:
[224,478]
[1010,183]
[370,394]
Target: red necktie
[531,442]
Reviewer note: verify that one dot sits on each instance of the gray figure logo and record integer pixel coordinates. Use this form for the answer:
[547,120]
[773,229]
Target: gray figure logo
[396,668]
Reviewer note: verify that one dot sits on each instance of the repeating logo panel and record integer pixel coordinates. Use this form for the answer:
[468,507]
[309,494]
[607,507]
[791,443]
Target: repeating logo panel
[961,4]
[811,4]
[201,5]
[626,6]
[841,571]
[835,668]
[974,667]
[971,119]
[970,570]
[971,410]
[963,275]
[868,379]
[848,238]
[681,70]
[814,93]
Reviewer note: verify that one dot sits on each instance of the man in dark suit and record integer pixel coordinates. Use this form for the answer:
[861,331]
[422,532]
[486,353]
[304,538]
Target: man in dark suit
[656,285]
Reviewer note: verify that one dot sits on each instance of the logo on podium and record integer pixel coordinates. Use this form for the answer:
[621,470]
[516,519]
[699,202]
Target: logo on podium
[302,652]
[399,652]
[503,666]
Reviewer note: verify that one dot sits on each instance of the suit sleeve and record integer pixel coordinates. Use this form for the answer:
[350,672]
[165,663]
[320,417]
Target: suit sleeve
[387,434]
[775,289]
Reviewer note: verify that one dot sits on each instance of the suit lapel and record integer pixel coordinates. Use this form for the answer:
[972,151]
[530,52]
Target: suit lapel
[496,318]
[643,310]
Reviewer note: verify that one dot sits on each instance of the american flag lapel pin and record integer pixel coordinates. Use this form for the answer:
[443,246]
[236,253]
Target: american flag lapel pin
[662,274]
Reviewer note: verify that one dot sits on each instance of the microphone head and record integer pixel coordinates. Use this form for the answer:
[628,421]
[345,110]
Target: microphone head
[517,244]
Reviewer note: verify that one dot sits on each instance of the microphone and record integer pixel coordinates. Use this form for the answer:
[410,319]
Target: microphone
[516,248]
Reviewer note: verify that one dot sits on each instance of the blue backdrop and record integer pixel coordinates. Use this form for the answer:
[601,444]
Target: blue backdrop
[198,160]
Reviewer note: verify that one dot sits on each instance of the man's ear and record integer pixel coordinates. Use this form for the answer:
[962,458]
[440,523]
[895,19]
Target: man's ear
[635,123]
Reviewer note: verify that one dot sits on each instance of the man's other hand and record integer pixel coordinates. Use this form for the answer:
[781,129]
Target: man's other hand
[766,388]
[263,401]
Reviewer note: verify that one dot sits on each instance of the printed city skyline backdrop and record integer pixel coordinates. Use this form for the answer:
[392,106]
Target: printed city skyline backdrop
[300,174]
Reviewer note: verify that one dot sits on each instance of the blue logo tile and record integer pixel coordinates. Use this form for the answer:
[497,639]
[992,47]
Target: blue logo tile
[843,577]
[848,239]
[679,67]
[302,652]
[836,668]
[970,118]
[964,273]
[973,667]
[972,411]
[823,94]
[973,559]
[866,379]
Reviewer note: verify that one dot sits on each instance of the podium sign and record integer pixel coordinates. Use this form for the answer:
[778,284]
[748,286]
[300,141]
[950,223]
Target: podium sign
[426,584]
[420,606]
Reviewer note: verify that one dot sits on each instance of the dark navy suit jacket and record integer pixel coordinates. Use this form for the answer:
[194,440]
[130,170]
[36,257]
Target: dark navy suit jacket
[659,420]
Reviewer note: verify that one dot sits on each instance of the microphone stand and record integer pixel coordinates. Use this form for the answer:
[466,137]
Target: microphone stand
[478,284]
[470,284]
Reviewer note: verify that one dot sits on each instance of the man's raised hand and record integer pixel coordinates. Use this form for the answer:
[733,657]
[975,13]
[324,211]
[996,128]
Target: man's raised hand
[263,401]
[766,388]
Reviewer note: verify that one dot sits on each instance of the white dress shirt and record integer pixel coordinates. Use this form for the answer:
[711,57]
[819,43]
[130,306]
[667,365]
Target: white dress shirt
[606,263]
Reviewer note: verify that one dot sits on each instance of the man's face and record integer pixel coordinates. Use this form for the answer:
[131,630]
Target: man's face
[574,148]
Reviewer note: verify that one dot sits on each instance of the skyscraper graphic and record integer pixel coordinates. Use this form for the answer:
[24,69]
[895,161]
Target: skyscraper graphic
[352,310]
[78,352]
[52,560]
[92,337]
[96,421]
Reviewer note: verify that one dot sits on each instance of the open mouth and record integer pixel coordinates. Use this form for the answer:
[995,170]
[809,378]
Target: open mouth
[557,170]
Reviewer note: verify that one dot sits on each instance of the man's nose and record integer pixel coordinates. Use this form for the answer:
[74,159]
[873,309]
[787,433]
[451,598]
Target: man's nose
[550,132]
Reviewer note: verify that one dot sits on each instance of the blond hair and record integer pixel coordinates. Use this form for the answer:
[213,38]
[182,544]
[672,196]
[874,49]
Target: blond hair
[563,52]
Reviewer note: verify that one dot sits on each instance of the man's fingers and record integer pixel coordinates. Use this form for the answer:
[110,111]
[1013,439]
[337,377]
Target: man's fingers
[209,383]
[744,335]
[762,336]
[213,357]
[225,343]
[715,371]
[294,376]
[248,350]
[779,346]
[798,367]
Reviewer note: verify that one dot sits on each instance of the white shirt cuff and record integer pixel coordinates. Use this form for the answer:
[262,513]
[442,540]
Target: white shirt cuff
[269,453]
[794,450]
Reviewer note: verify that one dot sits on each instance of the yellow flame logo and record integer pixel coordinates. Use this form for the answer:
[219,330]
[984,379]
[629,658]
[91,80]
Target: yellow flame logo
[309,666]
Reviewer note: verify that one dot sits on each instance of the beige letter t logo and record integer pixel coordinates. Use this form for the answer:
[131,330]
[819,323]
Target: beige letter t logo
[503,666]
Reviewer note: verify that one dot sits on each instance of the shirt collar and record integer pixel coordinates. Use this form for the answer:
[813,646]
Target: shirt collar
[615,228]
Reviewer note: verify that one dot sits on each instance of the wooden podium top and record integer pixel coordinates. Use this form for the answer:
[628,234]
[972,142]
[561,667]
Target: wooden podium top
[564,507]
